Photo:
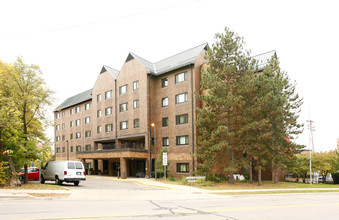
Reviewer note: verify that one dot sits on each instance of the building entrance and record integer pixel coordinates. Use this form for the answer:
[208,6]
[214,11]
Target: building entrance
[137,168]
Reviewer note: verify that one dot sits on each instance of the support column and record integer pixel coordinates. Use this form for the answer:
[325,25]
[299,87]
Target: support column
[100,166]
[123,168]
[110,168]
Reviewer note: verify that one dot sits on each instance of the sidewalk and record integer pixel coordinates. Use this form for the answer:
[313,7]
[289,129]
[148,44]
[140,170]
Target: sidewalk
[175,190]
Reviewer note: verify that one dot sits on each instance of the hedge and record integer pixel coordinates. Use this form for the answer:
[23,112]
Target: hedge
[335,177]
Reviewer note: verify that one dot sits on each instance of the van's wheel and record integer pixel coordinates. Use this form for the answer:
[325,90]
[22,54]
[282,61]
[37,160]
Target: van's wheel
[76,183]
[42,180]
[57,181]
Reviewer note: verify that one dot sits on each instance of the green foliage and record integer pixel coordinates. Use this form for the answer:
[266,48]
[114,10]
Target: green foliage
[299,166]
[4,173]
[335,177]
[324,163]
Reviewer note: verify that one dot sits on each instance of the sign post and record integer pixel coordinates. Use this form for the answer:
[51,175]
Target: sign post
[164,162]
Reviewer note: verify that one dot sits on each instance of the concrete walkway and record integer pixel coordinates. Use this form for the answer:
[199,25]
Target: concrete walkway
[175,191]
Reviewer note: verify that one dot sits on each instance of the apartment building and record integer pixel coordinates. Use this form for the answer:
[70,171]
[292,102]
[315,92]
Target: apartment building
[108,127]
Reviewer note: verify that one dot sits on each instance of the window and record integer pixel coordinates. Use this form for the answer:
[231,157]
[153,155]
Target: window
[87,134]
[99,129]
[87,120]
[164,82]
[181,119]
[78,122]
[135,85]
[71,111]
[63,137]
[182,167]
[182,140]
[63,113]
[123,107]
[99,113]
[123,125]
[108,111]
[87,106]
[165,122]
[136,104]
[63,125]
[58,150]
[181,98]
[181,77]
[108,94]
[71,124]
[123,89]
[109,127]
[88,147]
[136,123]
[71,148]
[57,138]
[164,102]
[165,141]
[77,135]
[78,148]
[77,109]
[57,127]
[63,149]
[99,98]
[57,115]
[71,136]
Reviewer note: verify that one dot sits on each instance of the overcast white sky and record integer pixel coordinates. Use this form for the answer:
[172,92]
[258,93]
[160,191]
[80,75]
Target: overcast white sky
[72,40]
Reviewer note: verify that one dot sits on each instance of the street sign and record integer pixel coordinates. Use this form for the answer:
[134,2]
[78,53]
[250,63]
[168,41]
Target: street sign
[164,158]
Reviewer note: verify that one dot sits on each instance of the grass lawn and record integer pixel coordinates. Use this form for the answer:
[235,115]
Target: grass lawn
[37,186]
[246,185]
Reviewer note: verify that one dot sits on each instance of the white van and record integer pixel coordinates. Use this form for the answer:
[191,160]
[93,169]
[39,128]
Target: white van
[63,171]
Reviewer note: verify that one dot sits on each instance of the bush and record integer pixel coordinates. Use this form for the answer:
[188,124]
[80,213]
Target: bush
[171,178]
[4,173]
[335,177]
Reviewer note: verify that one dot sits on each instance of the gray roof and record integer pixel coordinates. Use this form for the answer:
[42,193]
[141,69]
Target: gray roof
[79,98]
[112,71]
[263,59]
[171,63]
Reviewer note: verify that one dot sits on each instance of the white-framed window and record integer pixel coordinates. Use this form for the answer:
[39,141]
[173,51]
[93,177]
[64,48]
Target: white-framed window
[63,113]
[136,104]
[99,129]
[165,141]
[57,127]
[87,120]
[165,121]
[71,124]
[123,89]
[181,77]
[87,106]
[182,140]
[78,122]
[71,111]
[57,138]
[123,125]
[164,102]
[136,123]
[164,82]
[77,109]
[57,115]
[181,98]
[78,135]
[87,134]
[135,85]
[123,107]
[182,167]
[78,148]
[63,125]
[99,113]
[99,98]
[108,111]
[109,127]
[108,94]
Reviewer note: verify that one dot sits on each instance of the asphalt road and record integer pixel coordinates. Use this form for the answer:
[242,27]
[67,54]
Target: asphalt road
[142,202]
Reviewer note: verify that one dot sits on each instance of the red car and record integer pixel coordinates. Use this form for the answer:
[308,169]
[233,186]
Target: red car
[33,173]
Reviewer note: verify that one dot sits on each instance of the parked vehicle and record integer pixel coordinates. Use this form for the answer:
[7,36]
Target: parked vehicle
[33,173]
[63,171]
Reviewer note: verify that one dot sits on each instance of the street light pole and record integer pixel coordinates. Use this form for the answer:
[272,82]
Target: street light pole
[155,150]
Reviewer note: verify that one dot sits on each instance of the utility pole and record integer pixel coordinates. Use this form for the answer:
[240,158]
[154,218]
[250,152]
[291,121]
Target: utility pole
[310,142]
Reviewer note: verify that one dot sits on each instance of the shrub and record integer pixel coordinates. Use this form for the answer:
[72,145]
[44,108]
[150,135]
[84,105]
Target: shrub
[4,173]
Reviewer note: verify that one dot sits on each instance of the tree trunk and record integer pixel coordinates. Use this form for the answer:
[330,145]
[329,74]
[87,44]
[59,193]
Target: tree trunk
[25,174]
[259,177]
[13,181]
[276,175]
[251,170]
